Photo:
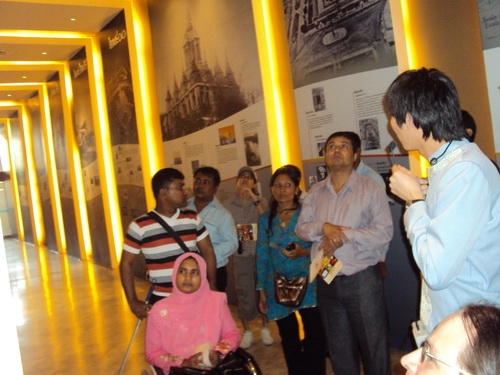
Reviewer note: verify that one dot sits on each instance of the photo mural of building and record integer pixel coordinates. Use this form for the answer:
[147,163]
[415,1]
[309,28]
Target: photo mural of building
[203,96]
[209,85]
[333,38]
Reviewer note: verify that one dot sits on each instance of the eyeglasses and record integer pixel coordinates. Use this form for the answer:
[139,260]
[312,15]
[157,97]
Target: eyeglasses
[199,181]
[425,352]
[246,176]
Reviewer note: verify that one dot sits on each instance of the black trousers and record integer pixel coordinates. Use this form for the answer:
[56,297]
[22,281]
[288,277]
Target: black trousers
[306,357]
[354,315]
[221,279]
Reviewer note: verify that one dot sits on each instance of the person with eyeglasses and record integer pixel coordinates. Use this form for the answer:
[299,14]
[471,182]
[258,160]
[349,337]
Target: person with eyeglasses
[466,343]
[217,219]
[246,208]
[347,216]
[160,249]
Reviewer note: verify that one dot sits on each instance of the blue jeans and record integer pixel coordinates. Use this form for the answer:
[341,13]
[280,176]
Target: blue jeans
[305,357]
[354,316]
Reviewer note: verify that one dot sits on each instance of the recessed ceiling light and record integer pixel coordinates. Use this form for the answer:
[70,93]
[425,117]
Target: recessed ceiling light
[72,19]
[44,53]
[9,95]
[24,77]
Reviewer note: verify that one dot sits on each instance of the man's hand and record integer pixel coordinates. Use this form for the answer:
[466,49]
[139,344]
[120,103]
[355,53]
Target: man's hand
[406,185]
[334,238]
[208,254]
[139,308]
[424,185]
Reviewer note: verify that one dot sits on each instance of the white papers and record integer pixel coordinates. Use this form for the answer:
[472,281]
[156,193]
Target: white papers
[205,351]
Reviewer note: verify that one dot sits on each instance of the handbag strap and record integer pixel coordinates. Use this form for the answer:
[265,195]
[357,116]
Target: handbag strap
[170,231]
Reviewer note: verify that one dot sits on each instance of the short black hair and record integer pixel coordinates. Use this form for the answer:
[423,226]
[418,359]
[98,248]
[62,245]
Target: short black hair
[469,123]
[163,178]
[353,137]
[431,98]
[210,172]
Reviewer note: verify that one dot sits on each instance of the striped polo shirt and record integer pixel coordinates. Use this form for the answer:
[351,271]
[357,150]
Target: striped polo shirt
[159,248]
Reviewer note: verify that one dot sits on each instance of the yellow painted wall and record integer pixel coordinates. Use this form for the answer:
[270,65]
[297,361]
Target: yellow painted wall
[446,35]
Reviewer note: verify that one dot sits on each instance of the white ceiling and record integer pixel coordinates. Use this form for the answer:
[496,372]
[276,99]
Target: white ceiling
[21,55]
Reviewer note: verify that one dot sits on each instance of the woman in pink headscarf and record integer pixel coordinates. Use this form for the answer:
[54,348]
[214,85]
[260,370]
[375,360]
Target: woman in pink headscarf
[193,316]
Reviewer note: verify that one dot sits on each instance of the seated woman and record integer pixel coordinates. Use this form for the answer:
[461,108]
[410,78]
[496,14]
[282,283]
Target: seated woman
[193,316]
[279,250]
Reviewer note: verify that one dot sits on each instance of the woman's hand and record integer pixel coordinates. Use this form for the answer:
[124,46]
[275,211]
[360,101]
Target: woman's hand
[249,192]
[262,302]
[215,358]
[196,361]
[295,251]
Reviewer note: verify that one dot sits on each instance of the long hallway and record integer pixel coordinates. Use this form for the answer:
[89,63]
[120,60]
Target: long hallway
[73,318]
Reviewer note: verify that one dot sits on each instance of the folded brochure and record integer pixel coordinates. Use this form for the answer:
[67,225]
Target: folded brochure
[325,266]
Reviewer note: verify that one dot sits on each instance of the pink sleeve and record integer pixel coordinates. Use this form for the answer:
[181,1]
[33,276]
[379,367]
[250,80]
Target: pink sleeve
[155,354]
[230,334]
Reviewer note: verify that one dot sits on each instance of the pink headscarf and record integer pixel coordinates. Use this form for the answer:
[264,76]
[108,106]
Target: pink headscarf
[180,323]
[187,305]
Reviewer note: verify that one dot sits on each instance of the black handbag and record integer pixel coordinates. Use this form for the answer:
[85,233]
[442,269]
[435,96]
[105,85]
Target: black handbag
[239,362]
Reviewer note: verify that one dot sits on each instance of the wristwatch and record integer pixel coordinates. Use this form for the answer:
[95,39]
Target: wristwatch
[409,203]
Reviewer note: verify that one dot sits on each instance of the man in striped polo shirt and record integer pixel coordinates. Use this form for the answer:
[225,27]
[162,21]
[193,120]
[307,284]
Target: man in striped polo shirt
[159,248]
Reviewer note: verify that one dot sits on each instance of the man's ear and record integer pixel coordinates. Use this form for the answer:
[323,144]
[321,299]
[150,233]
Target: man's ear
[409,120]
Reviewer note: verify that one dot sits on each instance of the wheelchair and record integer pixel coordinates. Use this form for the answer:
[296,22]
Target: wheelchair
[239,362]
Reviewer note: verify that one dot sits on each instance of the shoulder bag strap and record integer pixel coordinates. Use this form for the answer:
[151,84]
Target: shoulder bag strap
[169,230]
